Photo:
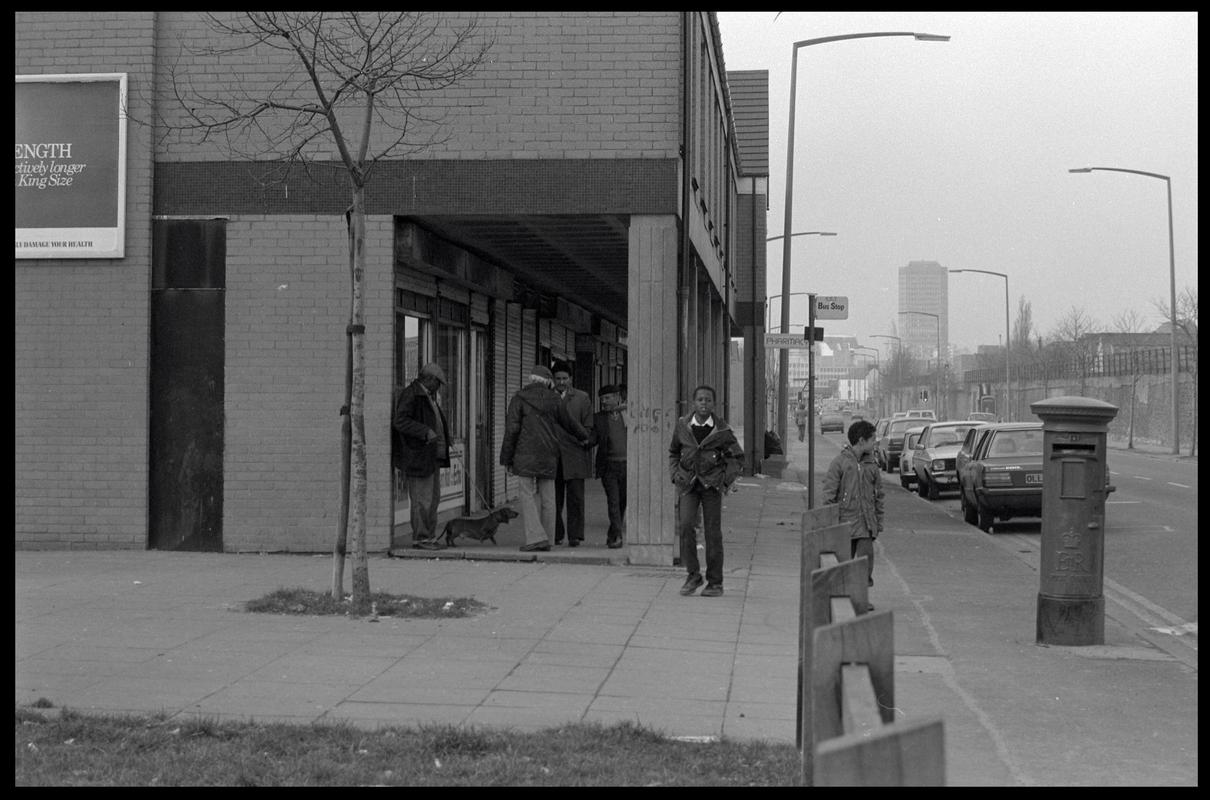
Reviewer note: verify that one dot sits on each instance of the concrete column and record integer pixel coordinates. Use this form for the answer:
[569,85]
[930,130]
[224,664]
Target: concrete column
[653,363]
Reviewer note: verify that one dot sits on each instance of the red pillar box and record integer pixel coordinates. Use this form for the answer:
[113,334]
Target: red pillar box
[1071,603]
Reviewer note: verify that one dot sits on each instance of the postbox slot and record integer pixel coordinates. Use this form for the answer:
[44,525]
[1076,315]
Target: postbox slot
[1072,447]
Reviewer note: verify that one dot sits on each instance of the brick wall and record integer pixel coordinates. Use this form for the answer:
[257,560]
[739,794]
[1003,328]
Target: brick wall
[557,85]
[81,326]
[287,306]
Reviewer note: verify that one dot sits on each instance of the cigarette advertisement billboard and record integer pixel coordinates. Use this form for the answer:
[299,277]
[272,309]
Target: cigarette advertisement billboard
[70,166]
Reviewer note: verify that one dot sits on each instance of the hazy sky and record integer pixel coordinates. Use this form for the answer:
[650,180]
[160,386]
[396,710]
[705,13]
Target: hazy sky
[957,152]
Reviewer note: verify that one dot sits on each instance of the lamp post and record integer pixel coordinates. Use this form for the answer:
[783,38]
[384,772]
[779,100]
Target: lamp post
[877,366]
[898,358]
[1008,384]
[937,319]
[1174,366]
[784,363]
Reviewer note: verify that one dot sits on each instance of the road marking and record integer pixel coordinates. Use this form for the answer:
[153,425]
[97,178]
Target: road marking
[1181,485]
[1121,502]
[1140,477]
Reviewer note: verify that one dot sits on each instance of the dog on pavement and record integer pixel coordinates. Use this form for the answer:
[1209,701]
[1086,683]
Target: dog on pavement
[478,528]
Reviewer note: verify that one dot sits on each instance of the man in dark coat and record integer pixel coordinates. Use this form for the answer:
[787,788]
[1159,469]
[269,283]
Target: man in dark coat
[422,448]
[609,432]
[531,452]
[575,460]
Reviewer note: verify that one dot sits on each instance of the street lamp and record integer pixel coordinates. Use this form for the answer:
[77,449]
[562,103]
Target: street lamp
[877,365]
[782,297]
[898,358]
[783,360]
[1008,385]
[937,319]
[1176,435]
[784,363]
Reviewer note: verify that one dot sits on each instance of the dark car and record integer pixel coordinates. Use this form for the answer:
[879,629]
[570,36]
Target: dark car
[890,443]
[831,421]
[1003,476]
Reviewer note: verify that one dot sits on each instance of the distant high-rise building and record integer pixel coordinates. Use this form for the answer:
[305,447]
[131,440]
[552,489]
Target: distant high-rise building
[924,288]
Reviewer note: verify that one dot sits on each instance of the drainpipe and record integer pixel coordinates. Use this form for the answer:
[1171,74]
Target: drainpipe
[686,266]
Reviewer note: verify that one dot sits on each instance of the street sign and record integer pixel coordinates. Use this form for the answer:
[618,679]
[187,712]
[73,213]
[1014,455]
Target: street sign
[835,307]
[813,334]
[785,341]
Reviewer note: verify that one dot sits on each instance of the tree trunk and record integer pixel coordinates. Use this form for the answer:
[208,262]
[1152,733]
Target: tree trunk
[346,442]
[361,574]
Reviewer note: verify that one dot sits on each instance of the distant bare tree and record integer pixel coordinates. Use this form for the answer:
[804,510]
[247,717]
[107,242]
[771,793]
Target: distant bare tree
[1186,327]
[1071,335]
[344,79]
[1130,324]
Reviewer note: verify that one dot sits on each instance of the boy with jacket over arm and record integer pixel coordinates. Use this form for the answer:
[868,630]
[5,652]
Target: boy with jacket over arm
[704,460]
[854,482]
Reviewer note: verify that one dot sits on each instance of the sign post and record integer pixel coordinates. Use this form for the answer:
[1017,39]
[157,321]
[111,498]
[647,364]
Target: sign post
[811,333]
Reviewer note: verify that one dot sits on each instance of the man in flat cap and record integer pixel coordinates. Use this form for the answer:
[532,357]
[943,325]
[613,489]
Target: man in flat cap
[575,460]
[531,452]
[422,448]
[609,432]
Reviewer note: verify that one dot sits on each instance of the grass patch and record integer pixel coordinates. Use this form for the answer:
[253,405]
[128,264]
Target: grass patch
[73,749]
[306,601]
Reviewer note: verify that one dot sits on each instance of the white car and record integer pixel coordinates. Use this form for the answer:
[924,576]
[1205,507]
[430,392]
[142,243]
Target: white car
[906,476]
[935,456]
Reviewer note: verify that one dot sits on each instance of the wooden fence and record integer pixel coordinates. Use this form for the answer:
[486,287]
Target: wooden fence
[848,733]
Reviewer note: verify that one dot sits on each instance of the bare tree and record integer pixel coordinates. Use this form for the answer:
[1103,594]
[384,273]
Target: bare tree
[1186,336]
[1130,324]
[347,79]
[1071,334]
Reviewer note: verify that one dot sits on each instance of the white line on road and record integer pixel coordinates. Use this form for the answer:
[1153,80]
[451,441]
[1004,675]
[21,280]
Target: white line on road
[1181,485]
[1141,477]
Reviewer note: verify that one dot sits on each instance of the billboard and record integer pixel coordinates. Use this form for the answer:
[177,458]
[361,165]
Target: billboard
[70,166]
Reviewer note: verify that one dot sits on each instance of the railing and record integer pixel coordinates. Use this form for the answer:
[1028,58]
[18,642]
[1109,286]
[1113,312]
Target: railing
[1150,361]
[847,731]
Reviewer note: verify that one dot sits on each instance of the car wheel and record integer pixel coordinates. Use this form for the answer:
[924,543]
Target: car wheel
[904,482]
[922,488]
[933,491]
[985,519]
[969,515]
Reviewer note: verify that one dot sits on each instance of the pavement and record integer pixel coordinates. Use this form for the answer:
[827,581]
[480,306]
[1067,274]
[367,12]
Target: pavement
[578,635]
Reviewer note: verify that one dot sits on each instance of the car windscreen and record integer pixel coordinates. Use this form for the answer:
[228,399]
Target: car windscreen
[941,437]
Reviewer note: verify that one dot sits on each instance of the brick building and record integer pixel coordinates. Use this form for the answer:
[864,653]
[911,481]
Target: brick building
[597,195]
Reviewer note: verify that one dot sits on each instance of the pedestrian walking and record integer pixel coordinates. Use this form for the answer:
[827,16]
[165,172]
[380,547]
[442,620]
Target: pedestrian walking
[609,433]
[531,452]
[421,449]
[800,419]
[854,482]
[575,460]
[704,459]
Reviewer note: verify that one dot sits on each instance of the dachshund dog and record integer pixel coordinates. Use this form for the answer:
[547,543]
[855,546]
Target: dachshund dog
[479,528]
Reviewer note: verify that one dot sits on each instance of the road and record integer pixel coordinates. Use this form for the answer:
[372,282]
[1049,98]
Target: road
[1150,555]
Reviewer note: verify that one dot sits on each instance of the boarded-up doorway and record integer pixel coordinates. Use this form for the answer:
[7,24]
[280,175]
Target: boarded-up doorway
[187,365]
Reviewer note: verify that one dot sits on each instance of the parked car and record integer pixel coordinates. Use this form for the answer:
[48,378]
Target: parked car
[922,413]
[890,444]
[898,414]
[831,421]
[935,456]
[981,416]
[911,438]
[879,430]
[973,437]
[1003,476]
